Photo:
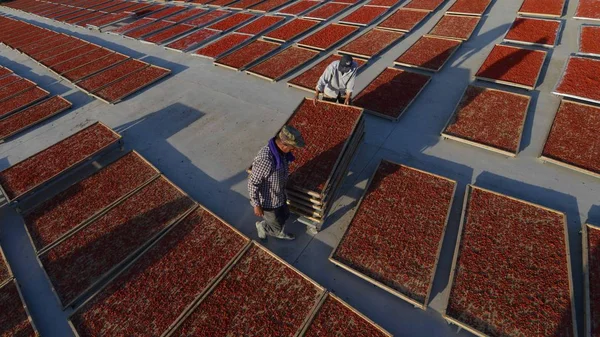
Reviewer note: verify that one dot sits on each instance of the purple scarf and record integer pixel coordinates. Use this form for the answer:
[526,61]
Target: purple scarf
[275,151]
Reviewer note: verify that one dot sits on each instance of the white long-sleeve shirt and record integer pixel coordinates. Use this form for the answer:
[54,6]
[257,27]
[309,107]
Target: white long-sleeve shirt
[333,83]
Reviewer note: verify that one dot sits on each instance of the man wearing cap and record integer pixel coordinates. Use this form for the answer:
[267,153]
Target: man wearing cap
[337,81]
[266,185]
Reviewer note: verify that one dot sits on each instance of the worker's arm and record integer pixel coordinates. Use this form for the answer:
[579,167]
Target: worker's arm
[323,80]
[260,170]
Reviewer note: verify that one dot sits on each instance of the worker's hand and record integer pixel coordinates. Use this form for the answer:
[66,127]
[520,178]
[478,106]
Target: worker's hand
[347,100]
[316,98]
[258,211]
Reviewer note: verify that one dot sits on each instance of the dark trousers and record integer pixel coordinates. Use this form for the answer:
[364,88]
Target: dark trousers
[274,219]
[340,99]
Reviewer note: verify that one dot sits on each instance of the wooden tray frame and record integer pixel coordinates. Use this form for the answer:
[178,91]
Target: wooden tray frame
[470,14]
[193,46]
[266,37]
[579,39]
[429,34]
[408,65]
[92,74]
[10,273]
[55,72]
[380,284]
[174,37]
[393,119]
[99,28]
[534,44]
[275,79]
[564,71]
[285,4]
[133,91]
[246,66]
[512,84]
[18,287]
[217,282]
[335,43]
[463,219]
[122,34]
[587,316]
[481,145]
[14,200]
[219,275]
[91,93]
[123,262]
[370,22]
[368,57]
[300,14]
[331,17]
[99,213]
[316,310]
[519,12]
[546,159]
[21,91]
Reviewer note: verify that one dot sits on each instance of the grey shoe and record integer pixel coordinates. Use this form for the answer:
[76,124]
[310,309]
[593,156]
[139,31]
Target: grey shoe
[260,230]
[284,236]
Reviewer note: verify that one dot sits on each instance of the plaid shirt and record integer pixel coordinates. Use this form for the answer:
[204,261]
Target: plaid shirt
[266,185]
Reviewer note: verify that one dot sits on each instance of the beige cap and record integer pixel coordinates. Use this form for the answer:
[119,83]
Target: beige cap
[291,136]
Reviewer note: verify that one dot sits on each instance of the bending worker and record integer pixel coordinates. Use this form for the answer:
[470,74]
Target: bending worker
[267,182]
[337,81]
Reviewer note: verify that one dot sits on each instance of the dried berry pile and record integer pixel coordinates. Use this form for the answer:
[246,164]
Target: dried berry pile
[325,129]
[240,58]
[335,319]
[574,137]
[90,68]
[588,9]
[427,5]
[400,248]
[5,71]
[97,81]
[328,36]
[164,281]
[190,41]
[490,117]
[384,3]
[232,21]
[115,92]
[82,259]
[260,296]
[299,7]
[50,162]
[81,60]
[391,92]
[593,242]
[166,12]
[513,65]
[5,273]
[221,3]
[32,116]
[13,317]
[589,40]
[208,18]
[511,276]
[244,4]
[60,58]
[20,101]
[327,11]
[543,7]
[455,26]
[54,218]
[107,20]
[148,29]
[268,5]
[534,31]
[429,53]
[581,79]
[279,65]
[469,7]
[260,25]
[15,88]
[364,16]
[223,45]
[169,33]
[291,29]
[6,80]
[44,44]
[371,43]
[309,78]
[187,14]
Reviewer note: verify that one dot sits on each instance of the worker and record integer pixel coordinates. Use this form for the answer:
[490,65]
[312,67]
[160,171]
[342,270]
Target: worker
[267,182]
[337,81]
